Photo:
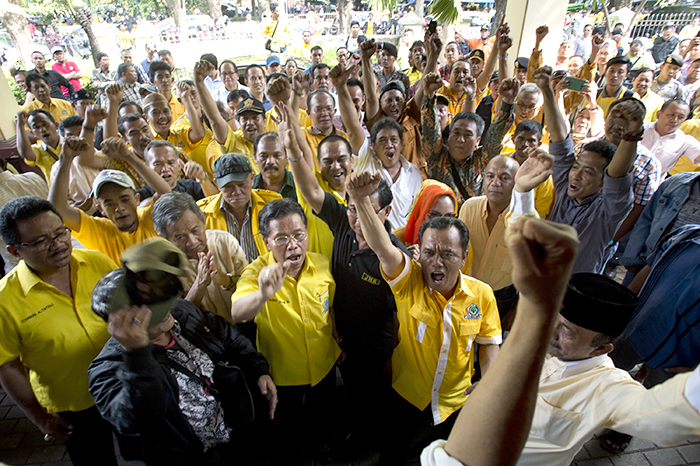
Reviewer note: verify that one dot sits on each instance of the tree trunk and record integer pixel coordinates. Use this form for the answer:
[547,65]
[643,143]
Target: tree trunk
[344,16]
[84,18]
[179,17]
[420,8]
[500,12]
[621,4]
[13,19]
[252,11]
[214,9]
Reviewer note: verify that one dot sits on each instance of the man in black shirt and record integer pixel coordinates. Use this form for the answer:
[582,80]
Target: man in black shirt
[55,79]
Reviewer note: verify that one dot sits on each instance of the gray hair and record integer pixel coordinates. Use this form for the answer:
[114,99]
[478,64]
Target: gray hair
[159,143]
[530,88]
[170,208]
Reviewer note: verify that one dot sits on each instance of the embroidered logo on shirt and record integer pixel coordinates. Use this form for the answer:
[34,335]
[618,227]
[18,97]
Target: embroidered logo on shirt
[323,297]
[473,312]
[370,279]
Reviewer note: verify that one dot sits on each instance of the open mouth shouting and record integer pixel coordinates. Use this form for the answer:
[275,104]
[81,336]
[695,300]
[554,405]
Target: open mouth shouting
[295,259]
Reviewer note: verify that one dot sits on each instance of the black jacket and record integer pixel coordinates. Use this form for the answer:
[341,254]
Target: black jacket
[136,392]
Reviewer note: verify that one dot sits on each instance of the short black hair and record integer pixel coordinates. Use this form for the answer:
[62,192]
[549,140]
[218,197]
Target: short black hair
[162,53]
[230,62]
[31,77]
[603,148]
[675,100]
[104,290]
[619,61]
[21,208]
[43,112]
[122,68]
[314,94]
[462,59]
[417,43]
[355,82]
[237,94]
[386,122]
[159,143]
[320,66]
[99,56]
[158,65]
[126,103]
[316,47]
[445,223]
[330,139]
[471,116]
[211,58]
[625,99]
[22,73]
[250,67]
[260,137]
[276,209]
[529,125]
[352,23]
[73,120]
[645,70]
[128,118]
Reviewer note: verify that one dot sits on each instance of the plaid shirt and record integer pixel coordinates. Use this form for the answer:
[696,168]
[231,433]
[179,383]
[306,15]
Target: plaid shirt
[131,92]
[647,174]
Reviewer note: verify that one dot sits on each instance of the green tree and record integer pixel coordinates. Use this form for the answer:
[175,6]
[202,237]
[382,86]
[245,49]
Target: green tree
[14,19]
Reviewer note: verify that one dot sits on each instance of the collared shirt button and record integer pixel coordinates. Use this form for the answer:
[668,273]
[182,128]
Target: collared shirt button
[310,351]
[306,320]
[303,303]
[309,337]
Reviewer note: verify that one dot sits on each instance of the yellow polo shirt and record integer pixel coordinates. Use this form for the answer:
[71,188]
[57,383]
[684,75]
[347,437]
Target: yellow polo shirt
[295,331]
[203,151]
[270,125]
[428,369]
[653,103]
[215,219]
[45,158]
[101,234]
[176,108]
[55,336]
[604,102]
[456,103]
[236,143]
[314,138]
[413,75]
[180,138]
[544,198]
[320,236]
[59,109]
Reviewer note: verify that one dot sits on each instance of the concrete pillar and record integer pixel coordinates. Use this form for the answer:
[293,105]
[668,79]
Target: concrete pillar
[524,16]
[8,111]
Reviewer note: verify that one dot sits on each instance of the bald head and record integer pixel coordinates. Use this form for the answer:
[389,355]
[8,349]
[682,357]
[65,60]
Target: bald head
[499,180]
[511,164]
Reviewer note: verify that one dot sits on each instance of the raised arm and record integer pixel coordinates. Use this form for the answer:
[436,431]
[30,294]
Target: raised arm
[492,141]
[193,114]
[339,76]
[218,125]
[93,116]
[115,94]
[359,187]
[270,281]
[470,86]
[629,115]
[543,256]
[555,120]
[490,65]
[430,127]
[367,49]
[116,148]
[303,173]
[58,192]
[503,44]
[536,57]
[24,145]
[433,45]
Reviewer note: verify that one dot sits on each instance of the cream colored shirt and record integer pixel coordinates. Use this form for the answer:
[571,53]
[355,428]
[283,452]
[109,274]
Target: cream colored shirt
[492,263]
[79,186]
[230,260]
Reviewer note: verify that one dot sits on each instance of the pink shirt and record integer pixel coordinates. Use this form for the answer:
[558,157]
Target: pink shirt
[67,67]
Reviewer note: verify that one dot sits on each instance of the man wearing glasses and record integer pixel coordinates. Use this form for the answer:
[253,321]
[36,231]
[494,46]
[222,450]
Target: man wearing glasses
[289,293]
[48,328]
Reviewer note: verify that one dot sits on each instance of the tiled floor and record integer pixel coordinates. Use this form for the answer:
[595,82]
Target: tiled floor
[21,443]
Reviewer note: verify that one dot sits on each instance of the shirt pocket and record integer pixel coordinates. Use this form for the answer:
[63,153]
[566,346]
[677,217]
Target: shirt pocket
[553,424]
[423,325]
[502,261]
[466,333]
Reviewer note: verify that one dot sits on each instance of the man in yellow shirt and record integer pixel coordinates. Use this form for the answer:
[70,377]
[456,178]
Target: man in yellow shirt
[116,200]
[48,329]
[441,314]
[321,111]
[158,114]
[161,74]
[289,293]
[39,87]
[251,116]
[45,152]
[237,208]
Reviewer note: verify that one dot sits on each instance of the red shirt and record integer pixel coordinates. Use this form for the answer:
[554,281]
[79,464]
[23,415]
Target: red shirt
[67,67]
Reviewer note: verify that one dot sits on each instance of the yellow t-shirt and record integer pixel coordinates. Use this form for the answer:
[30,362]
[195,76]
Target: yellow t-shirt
[238,144]
[295,331]
[428,369]
[101,234]
[314,139]
[55,336]
[180,138]
[59,109]
[320,236]
[653,102]
[176,108]
[270,125]
[45,158]
[199,152]
[456,103]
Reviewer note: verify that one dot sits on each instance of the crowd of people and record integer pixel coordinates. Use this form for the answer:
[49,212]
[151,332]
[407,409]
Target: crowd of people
[189,256]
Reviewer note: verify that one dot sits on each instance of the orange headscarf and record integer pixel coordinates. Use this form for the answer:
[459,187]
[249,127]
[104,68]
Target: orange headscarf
[429,192]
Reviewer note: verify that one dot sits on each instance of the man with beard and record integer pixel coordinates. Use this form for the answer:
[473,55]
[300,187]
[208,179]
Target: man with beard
[122,225]
[272,161]
[251,117]
[44,356]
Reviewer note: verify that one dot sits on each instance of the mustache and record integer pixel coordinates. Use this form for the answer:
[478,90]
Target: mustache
[271,168]
[555,345]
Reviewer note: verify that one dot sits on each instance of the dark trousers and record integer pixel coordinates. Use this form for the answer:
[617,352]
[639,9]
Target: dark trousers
[404,422]
[304,416]
[91,442]
[368,388]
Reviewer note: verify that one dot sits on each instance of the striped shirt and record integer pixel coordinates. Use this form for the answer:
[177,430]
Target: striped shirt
[243,233]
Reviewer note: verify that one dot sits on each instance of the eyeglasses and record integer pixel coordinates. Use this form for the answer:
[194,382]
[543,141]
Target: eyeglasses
[44,244]
[353,211]
[433,214]
[284,240]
